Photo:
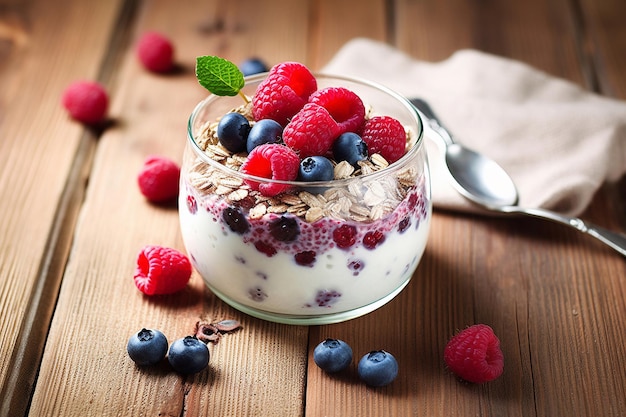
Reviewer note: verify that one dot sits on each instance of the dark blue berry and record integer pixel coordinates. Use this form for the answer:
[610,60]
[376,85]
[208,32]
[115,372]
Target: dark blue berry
[332,355]
[316,168]
[147,347]
[253,66]
[351,148]
[285,229]
[188,355]
[378,368]
[264,131]
[232,131]
[235,220]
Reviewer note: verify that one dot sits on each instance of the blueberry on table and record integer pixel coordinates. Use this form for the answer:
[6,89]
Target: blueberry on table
[147,347]
[332,355]
[253,66]
[232,131]
[316,168]
[188,355]
[378,368]
[264,131]
[350,147]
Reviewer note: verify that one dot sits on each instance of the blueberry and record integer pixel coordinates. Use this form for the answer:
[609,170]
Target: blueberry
[378,368]
[332,355]
[232,131]
[350,147]
[316,168]
[264,131]
[188,355]
[253,66]
[235,220]
[285,229]
[147,347]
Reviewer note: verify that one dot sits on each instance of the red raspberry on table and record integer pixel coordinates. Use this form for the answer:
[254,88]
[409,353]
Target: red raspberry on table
[311,132]
[474,354]
[158,179]
[272,161]
[284,91]
[86,101]
[386,136]
[344,105]
[161,270]
[156,52]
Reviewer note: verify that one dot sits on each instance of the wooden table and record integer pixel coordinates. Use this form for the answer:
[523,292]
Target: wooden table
[72,222]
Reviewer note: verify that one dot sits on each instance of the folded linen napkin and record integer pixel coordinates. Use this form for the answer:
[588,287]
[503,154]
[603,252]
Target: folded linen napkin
[558,142]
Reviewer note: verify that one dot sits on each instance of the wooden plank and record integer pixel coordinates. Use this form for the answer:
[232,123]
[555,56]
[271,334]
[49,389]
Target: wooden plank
[43,161]
[256,371]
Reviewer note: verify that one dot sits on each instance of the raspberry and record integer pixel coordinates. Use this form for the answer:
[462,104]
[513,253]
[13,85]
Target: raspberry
[373,239]
[306,258]
[285,90]
[343,105]
[474,354]
[158,179]
[161,270]
[345,236]
[272,161]
[386,136]
[311,132]
[155,52]
[86,101]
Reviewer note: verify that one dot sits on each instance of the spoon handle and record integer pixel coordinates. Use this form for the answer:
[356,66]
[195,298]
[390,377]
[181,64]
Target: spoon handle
[614,240]
[433,121]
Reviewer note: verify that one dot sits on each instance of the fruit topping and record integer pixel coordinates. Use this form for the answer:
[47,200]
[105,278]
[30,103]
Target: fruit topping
[235,220]
[350,147]
[86,101]
[232,131]
[344,106]
[156,52]
[345,236]
[378,368]
[161,270]
[386,136]
[284,92]
[316,168]
[188,355]
[474,354]
[253,66]
[147,347]
[264,131]
[312,131]
[271,161]
[285,229]
[158,179]
[332,355]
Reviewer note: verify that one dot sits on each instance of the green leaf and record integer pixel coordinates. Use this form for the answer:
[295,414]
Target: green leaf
[218,75]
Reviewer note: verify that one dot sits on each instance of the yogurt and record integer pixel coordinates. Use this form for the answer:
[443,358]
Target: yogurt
[325,267]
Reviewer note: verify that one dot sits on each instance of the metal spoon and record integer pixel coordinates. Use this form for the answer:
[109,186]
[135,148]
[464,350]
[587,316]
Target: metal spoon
[484,182]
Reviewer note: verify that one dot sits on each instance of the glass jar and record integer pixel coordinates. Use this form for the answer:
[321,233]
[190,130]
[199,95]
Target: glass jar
[321,252]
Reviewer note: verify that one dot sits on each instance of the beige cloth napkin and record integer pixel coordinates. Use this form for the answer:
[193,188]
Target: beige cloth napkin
[558,142]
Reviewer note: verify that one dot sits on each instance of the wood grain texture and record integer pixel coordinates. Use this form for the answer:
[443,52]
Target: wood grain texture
[43,165]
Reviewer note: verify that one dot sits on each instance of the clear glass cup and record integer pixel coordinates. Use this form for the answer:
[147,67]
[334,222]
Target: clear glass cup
[321,252]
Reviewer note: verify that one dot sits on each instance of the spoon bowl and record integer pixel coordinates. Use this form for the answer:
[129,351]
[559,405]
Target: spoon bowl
[484,182]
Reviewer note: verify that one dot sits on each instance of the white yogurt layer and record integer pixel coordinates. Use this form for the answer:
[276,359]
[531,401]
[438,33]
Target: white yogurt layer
[254,270]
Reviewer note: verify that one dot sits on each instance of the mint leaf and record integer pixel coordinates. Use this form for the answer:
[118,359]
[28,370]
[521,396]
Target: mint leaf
[218,75]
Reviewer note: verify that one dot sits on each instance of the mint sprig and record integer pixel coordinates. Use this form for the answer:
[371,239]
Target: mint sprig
[220,76]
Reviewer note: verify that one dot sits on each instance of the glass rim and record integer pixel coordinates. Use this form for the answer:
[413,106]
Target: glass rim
[313,184]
